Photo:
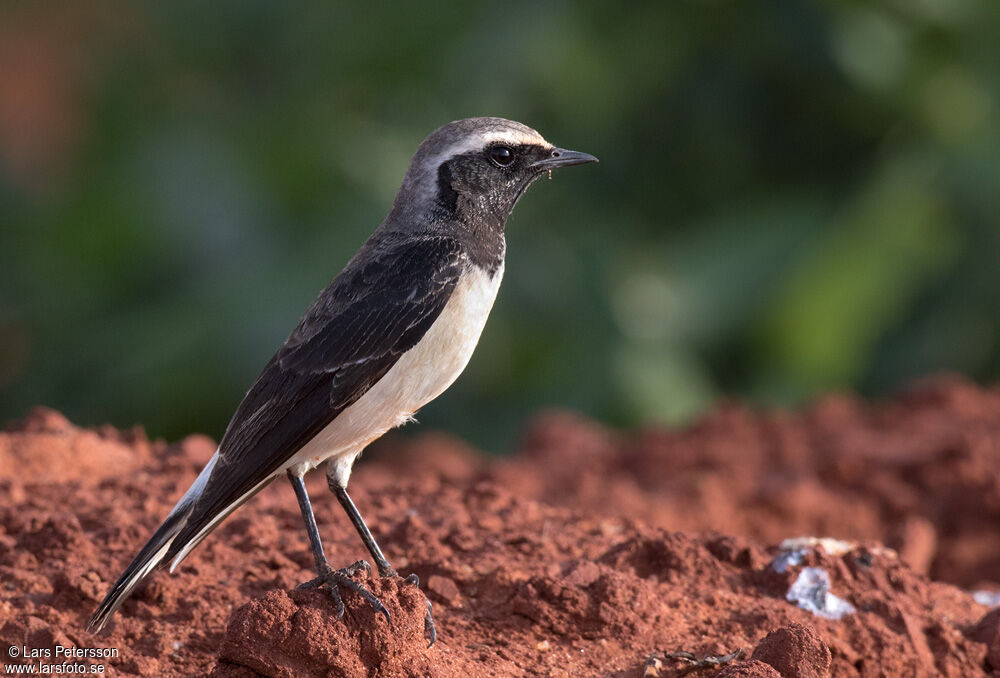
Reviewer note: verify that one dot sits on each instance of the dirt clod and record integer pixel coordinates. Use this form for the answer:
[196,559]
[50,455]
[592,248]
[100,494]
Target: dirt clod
[444,589]
[750,669]
[293,634]
[795,651]
[987,631]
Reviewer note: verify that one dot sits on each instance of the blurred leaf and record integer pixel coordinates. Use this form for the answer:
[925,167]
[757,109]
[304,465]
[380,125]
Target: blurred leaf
[894,240]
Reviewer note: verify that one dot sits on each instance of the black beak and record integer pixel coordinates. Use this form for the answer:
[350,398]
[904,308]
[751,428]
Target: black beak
[560,157]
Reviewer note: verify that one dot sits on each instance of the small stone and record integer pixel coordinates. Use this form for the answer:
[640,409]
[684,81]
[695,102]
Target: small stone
[445,589]
[811,592]
[983,597]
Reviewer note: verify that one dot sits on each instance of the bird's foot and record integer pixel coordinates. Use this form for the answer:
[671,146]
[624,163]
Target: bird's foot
[335,579]
[430,631]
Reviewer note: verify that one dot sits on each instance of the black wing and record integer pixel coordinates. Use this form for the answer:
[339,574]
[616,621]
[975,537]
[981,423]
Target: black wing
[378,308]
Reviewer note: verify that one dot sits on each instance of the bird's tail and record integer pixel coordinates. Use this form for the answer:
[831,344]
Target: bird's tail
[152,553]
[140,567]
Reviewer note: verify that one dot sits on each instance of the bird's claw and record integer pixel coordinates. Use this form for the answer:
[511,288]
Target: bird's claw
[334,579]
[430,631]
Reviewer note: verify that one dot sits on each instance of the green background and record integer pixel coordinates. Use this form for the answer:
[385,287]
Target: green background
[792,197]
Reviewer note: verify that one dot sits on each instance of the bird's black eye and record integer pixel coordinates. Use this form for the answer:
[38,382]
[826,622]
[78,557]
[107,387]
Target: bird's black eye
[502,156]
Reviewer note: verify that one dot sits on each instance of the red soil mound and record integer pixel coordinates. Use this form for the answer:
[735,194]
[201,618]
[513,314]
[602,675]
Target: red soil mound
[562,560]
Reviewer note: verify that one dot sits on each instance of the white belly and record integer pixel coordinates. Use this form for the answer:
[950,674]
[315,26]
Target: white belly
[420,375]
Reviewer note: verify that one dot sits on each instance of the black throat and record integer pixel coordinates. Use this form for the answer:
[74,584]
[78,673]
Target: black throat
[478,222]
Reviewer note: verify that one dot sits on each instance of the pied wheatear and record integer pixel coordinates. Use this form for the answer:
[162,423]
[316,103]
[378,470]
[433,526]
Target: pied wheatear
[392,331]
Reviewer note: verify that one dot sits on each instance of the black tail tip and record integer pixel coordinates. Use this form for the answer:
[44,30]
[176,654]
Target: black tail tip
[99,620]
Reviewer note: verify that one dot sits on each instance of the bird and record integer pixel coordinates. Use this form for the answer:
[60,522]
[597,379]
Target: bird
[390,333]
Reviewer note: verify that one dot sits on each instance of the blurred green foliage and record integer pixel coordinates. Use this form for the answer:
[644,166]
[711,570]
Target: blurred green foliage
[792,196]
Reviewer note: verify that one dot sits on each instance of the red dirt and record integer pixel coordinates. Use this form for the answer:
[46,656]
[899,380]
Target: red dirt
[563,560]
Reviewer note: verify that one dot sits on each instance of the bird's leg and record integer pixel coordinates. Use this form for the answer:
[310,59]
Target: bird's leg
[333,579]
[384,568]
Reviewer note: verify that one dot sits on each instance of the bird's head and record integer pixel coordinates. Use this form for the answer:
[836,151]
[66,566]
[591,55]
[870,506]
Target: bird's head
[476,169]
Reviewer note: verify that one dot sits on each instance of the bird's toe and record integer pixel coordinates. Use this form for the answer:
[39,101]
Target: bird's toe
[334,580]
[430,630]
